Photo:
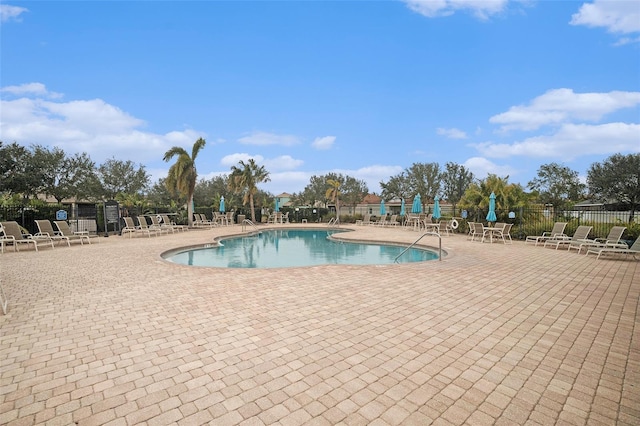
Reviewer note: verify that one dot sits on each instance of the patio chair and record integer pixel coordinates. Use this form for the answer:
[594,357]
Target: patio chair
[205,222]
[504,233]
[633,250]
[393,220]
[556,231]
[612,240]
[12,234]
[65,229]
[445,227]
[45,229]
[478,231]
[581,234]
[131,228]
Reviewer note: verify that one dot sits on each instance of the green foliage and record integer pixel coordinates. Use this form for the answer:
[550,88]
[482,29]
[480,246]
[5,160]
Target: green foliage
[617,179]
[557,185]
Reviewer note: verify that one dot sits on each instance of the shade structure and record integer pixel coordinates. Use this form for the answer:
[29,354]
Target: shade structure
[416,207]
[222,204]
[491,216]
[277,208]
[383,209]
[436,208]
[402,210]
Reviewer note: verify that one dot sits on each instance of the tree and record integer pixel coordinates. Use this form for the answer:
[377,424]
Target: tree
[353,191]
[398,186]
[244,179]
[617,178]
[315,191]
[333,193]
[425,180]
[456,179]
[509,196]
[183,175]
[557,184]
[121,177]
[16,172]
[63,176]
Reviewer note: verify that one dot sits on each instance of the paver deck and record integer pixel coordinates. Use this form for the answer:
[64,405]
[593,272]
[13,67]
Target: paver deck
[111,334]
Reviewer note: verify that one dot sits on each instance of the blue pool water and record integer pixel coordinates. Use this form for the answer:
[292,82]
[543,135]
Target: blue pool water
[289,248]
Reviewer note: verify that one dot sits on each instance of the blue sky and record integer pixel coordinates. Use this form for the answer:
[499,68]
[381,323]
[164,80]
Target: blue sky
[311,87]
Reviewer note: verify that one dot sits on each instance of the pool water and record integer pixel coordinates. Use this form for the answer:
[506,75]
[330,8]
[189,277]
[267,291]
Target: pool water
[291,248]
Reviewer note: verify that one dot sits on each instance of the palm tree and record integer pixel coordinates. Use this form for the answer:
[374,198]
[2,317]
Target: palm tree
[183,175]
[333,193]
[245,178]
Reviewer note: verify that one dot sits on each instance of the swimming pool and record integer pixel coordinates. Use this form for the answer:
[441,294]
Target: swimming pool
[293,248]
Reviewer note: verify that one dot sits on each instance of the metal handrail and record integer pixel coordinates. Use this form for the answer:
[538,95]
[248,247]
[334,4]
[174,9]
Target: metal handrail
[436,234]
[248,222]
[333,221]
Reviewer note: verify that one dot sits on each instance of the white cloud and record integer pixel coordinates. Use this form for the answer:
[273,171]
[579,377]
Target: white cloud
[561,105]
[452,133]
[264,138]
[481,167]
[323,143]
[35,89]
[8,12]
[570,141]
[482,9]
[284,162]
[617,16]
[95,127]
[234,159]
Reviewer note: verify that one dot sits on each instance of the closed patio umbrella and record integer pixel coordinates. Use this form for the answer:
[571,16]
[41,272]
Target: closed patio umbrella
[222,204]
[491,216]
[277,205]
[436,208]
[383,210]
[417,205]
[402,212]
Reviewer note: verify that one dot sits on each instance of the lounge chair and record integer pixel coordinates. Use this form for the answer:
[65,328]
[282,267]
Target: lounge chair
[612,240]
[556,231]
[633,250]
[166,221]
[156,226]
[131,228]
[12,234]
[144,226]
[45,229]
[205,222]
[581,234]
[65,230]
[366,220]
[393,220]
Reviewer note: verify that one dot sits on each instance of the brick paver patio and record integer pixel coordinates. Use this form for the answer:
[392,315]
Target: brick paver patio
[110,334]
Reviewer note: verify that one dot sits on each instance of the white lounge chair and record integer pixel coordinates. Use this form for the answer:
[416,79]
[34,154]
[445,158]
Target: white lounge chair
[65,229]
[633,250]
[45,229]
[581,234]
[612,240]
[556,231]
[12,234]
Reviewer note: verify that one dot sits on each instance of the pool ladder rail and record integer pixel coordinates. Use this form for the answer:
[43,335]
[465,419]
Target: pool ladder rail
[431,233]
[248,222]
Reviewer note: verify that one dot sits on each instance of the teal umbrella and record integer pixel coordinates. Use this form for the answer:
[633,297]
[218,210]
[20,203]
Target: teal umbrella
[491,216]
[383,210]
[436,208]
[402,212]
[222,204]
[416,207]
[277,205]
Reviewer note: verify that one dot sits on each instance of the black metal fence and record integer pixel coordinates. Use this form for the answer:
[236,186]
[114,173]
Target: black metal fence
[532,220]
